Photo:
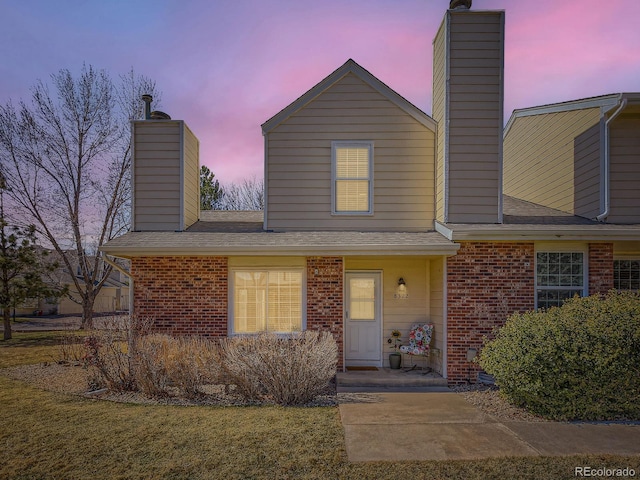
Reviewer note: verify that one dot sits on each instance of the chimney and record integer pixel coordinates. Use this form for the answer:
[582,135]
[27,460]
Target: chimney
[468,90]
[147,99]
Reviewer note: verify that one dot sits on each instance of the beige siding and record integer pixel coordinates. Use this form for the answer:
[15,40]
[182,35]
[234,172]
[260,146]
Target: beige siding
[467,104]
[623,250]
[191,179]
[402,313]
[540,159]
[437,313]
[586,148]
[298,170]
[438,113]
[156,175]
[165,165]
[625,168]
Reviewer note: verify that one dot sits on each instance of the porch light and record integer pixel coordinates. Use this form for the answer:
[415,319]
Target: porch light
[401,283]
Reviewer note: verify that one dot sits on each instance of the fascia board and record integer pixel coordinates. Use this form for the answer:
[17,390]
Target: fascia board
[605,102]
[580,233]
[374,250]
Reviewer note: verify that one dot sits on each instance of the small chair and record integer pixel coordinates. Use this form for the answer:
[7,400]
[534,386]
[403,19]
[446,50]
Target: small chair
[419,340]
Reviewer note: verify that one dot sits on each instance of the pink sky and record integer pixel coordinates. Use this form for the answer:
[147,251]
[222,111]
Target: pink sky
[227,66]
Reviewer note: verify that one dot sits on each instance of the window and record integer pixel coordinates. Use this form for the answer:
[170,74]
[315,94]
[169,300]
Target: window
[352,177]
[267,301]
[559,276]
[626,274]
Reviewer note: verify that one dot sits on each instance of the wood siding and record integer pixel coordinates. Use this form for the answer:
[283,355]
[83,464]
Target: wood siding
[298,170]
[587,153]
[625,168]
[438,114]
[191,180]
[437,313]
[550,159]
[156,175]
[165,176]
[468,103]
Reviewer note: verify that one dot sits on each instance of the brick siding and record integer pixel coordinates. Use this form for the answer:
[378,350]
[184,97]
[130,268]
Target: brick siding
[325,298]
[600,267]
[486,282]
[184,295]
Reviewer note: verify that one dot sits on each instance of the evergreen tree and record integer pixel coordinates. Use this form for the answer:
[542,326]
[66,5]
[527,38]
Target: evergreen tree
[210,190]
[23,267]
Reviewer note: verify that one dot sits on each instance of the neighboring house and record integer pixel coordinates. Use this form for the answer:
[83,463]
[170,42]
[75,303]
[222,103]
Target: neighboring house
[113,296]
[379,216]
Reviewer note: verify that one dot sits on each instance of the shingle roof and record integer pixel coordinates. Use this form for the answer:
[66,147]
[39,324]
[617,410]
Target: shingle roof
[521,212]
[240,233]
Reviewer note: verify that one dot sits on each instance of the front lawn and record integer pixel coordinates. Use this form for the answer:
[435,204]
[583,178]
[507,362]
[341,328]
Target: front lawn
[51,435]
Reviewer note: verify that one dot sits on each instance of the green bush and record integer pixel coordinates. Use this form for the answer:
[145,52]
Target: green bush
[580,361]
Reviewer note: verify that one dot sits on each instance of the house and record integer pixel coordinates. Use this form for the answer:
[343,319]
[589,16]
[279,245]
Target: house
[112,297]
[378,216]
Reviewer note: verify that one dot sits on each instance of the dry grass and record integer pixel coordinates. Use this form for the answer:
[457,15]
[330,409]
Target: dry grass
[51,435]
[29,348]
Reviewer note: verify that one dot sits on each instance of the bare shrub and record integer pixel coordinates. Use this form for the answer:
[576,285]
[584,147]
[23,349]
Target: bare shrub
[184,363]
[112,351]
[196,363]
[288,370]
[71,348]
[153,355]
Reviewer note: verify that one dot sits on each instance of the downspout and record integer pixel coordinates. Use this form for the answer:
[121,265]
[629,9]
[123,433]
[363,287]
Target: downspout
[607,163]
[124,272]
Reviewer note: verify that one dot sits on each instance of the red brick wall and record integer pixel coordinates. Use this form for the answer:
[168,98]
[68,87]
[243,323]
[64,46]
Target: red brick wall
[325,297]
[184,295]
[486,282]
[600,267]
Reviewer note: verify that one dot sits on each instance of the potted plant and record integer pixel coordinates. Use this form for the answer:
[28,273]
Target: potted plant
[395,359]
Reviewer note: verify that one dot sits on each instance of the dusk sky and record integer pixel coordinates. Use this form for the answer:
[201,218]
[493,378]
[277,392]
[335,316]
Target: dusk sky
[227,66]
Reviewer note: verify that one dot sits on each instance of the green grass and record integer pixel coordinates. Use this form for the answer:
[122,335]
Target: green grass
[48,435]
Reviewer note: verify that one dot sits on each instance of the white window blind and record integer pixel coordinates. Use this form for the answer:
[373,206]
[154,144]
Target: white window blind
[268,301]
[352,171]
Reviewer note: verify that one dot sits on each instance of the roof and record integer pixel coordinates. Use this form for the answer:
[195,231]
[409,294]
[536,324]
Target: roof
[520,212]
[349,66]
[526,221]
[241,233]
[604,102]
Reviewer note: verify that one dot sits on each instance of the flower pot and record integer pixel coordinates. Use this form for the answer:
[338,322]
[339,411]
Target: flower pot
[395,360]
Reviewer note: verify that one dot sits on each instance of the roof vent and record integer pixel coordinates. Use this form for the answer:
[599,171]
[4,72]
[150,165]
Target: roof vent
[147,99]
[158,115]
[460,5]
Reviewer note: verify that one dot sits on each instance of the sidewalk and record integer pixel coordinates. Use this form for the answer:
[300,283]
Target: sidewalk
[444,426]
[52,323]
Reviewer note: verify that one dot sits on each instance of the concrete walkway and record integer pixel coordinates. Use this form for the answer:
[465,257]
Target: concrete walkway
[444,426]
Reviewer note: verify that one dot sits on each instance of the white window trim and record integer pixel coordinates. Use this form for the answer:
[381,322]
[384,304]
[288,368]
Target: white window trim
[231,296]
[351,143]
[553,248]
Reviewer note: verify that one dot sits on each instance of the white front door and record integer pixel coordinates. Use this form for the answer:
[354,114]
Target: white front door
[363,319]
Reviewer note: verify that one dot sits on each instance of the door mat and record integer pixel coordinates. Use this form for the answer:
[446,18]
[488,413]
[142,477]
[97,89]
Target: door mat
[374,369]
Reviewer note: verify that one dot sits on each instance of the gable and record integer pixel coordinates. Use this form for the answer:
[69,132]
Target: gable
[298,162]
[353,69]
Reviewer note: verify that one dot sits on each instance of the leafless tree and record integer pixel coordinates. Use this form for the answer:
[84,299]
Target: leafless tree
[66,157]
[246,195]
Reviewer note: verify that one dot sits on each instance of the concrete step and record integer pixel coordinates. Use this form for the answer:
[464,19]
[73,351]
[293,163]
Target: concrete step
[390,380]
